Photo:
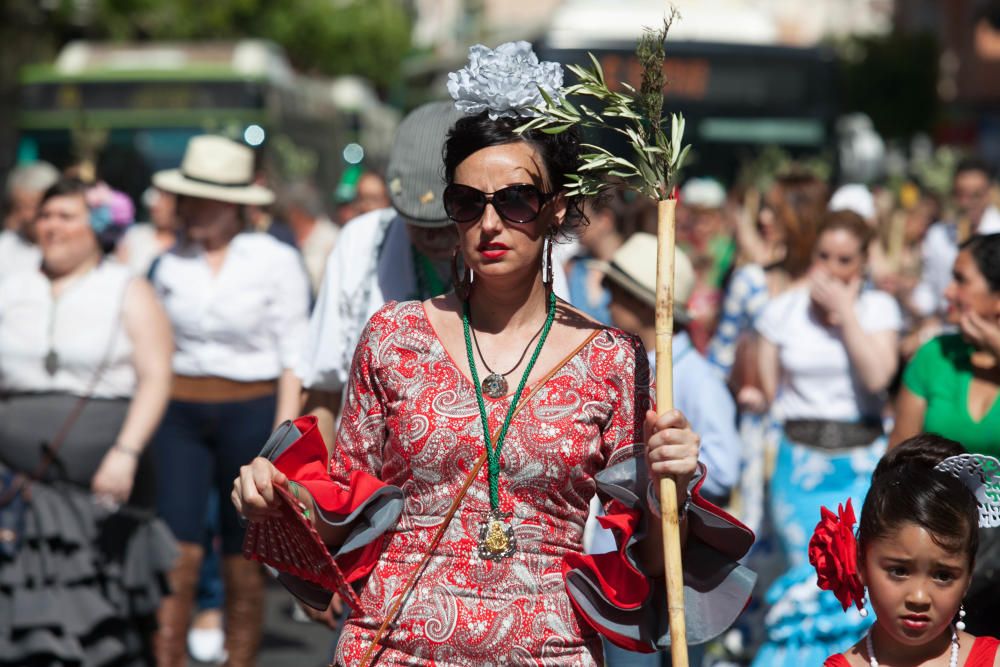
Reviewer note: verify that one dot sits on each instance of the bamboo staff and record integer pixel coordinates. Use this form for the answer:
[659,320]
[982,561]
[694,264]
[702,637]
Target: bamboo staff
[665,402]
[657,156]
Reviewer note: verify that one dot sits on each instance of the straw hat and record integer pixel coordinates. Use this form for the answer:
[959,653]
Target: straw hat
[633,267]
[215,168]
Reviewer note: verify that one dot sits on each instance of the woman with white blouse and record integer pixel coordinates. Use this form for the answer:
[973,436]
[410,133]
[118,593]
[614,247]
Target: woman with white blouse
[84,379]
[828,352]
[239,302]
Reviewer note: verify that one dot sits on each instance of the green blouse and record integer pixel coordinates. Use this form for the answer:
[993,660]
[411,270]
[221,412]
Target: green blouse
[940,373]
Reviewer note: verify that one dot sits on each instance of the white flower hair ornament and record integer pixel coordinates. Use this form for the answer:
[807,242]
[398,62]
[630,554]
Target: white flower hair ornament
[981,475]
[505,81]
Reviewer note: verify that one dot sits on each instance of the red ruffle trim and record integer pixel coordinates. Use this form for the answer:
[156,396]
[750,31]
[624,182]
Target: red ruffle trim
[625,586]
[622,584]
[306,462]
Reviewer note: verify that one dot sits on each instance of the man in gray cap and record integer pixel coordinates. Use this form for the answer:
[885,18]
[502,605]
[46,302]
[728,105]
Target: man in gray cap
[397,253]
[389,254]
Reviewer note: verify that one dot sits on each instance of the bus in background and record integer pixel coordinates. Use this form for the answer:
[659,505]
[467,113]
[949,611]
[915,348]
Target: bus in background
[125,111]
[739,88]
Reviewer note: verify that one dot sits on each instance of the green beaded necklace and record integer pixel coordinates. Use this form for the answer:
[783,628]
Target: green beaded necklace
[496,537]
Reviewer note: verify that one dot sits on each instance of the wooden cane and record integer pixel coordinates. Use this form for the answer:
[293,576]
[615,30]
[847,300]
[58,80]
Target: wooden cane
[665,402]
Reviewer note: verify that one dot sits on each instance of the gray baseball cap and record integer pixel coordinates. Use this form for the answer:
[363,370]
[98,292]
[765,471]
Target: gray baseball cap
[416,170]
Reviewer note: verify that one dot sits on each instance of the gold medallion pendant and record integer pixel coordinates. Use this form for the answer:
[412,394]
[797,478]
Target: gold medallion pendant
[496,537]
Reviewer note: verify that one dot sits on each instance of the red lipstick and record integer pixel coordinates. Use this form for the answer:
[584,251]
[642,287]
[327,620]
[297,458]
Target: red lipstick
[493,250]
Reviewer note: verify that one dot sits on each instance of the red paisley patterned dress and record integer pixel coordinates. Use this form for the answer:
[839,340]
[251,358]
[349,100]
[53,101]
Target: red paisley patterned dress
[409,434]
[411,420]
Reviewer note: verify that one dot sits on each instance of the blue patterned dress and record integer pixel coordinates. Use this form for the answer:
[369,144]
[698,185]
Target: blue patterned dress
[803,624]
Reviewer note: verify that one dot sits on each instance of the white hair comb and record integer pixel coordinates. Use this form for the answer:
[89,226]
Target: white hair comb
[981,474]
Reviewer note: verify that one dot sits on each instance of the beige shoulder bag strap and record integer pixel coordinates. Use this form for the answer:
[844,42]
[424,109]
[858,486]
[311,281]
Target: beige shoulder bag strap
[473,474]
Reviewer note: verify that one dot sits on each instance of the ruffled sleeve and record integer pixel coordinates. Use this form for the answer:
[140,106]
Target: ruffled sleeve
[610,591]
[345,484]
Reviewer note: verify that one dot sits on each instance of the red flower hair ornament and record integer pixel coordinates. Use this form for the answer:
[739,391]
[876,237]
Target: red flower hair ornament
[833,551]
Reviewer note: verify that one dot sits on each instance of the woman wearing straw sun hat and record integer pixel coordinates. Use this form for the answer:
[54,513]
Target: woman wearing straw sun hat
[239,303]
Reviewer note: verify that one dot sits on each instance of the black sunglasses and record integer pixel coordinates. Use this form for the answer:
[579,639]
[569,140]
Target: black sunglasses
[514,203]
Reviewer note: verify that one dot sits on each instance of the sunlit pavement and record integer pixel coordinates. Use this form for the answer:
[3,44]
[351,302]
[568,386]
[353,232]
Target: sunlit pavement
[289,643]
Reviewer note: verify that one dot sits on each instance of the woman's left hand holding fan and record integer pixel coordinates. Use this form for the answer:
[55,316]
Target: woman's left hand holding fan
[253,491]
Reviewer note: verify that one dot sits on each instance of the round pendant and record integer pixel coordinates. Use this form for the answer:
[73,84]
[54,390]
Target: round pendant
[495,386]
[51,362]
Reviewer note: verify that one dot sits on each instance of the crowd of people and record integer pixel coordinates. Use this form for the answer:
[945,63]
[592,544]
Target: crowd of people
[475,343]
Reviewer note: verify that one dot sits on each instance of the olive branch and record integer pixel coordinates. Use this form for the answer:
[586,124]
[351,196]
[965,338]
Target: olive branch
[656,142]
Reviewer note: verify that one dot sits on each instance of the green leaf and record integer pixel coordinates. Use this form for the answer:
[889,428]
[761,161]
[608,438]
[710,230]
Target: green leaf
[598,70]
[679,160]
[591,113]
[546,97]
[676,130]
[595,147]
[557,129]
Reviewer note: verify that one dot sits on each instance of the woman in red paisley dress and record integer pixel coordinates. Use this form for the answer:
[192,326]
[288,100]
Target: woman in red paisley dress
[565,403]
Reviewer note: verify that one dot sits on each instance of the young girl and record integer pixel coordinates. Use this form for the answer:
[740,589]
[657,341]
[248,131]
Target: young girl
[914,554]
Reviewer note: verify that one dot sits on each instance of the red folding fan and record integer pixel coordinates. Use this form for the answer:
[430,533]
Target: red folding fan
[291,544]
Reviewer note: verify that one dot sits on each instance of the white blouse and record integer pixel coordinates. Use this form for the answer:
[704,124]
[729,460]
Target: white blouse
[817,380]
[16,254]
[245,323]
[78,327]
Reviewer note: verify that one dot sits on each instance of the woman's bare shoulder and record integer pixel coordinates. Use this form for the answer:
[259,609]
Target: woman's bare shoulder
[568,315]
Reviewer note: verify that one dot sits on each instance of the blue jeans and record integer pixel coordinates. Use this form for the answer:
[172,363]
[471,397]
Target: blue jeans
[210,591]
[199,450]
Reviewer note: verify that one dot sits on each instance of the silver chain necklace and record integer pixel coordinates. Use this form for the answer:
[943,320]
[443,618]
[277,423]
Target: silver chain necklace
[952,660]
[495,384]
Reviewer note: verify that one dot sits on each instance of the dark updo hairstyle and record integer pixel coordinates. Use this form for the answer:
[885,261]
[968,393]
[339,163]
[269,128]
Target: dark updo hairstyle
[850,222]
[560,153]
[906,488]
[71,187]
[985,251]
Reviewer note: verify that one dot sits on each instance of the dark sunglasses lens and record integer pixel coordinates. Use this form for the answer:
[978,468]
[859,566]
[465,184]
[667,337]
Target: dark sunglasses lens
[463,204]
[518,203]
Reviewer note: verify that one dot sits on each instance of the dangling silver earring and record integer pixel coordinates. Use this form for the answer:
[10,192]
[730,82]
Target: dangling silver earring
[961,618]
[547,269]
[863,612]
[463,283]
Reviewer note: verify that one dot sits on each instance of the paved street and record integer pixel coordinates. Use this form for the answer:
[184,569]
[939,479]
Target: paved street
[288,643]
